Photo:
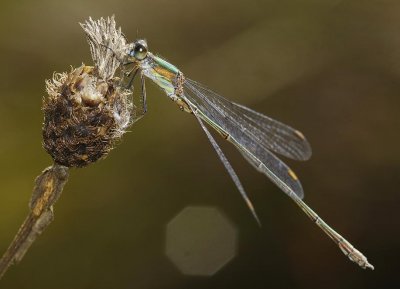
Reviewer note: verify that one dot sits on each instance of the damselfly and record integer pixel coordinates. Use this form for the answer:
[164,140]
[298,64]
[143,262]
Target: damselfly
[255,135]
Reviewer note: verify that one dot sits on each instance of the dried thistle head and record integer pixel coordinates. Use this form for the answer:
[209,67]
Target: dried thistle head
[87,111]
[108,45]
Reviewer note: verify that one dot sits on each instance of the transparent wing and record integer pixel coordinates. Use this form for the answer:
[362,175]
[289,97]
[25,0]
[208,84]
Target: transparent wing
[269,133]
[252,133]
[275,135]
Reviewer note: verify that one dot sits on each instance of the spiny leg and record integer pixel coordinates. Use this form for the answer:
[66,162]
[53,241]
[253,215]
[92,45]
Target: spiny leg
[144,95]
[133,71]
[131,76]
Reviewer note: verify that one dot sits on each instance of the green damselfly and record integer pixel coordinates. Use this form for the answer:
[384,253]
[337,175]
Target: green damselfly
[255,135]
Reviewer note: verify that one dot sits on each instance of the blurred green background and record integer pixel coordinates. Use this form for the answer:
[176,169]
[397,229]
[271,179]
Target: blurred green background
[329,68]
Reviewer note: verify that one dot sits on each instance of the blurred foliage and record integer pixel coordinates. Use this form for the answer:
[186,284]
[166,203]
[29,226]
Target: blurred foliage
[329,68]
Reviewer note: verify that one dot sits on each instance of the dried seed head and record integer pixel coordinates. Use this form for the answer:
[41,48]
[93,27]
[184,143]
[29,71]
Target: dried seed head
[84,116]
[87,111]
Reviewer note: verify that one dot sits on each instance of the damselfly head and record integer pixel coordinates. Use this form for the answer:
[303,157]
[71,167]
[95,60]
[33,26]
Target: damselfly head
[139,50]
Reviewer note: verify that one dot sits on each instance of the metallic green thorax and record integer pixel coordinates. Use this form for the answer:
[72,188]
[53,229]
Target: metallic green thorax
[161,72]
[166,65]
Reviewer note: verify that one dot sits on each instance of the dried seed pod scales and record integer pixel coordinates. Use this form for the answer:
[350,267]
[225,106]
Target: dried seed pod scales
[84,116]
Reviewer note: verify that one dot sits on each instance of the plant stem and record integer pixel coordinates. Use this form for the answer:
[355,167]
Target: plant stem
[48,188]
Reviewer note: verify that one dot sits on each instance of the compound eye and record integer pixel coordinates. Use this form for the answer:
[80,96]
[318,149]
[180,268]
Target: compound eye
[140,51]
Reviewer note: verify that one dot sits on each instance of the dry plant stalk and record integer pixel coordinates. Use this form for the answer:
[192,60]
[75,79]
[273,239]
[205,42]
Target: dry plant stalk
[85,114]
[48,188]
